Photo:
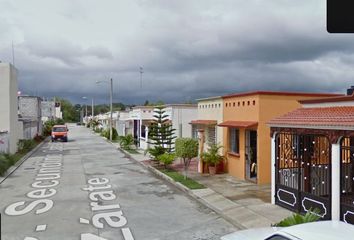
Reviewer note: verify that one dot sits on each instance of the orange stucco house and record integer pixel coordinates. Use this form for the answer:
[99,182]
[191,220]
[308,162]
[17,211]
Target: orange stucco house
[246,134]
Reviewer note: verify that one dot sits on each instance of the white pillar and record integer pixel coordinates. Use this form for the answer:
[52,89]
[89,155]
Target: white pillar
[273,169]
[335,181]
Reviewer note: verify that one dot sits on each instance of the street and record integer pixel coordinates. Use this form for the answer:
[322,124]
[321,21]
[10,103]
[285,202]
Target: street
[87,189]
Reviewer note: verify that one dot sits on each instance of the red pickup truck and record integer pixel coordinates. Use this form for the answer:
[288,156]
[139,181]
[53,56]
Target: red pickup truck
[60,132]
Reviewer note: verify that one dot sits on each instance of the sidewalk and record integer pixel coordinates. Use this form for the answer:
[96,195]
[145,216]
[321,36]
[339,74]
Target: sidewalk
[244,204]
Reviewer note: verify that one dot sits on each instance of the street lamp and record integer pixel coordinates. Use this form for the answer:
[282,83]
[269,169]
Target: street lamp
[111,106]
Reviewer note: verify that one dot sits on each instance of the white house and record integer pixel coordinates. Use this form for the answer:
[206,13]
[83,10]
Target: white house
[180,116]
[141,117]
[124,124]
[8,105]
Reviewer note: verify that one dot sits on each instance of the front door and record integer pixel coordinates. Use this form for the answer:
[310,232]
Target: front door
[251,155]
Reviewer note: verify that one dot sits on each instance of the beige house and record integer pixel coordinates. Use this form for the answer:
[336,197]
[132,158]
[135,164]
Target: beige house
[210,114]
[205,125]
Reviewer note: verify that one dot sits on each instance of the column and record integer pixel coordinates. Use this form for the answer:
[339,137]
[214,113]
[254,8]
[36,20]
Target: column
[272,152]
[201,138]
[335,181]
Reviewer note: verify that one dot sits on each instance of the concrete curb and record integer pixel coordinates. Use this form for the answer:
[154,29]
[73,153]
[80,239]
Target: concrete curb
[184,189]
[13,168]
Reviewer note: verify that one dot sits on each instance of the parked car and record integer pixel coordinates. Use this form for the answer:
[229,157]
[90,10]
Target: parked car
[323,230]
[60,132]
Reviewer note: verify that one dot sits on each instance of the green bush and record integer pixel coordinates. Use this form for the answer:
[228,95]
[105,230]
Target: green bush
[166,158]
[212,156]
[186,148]
[156,152]
[310,216]
[26,145]
[126,141]
[105,133]
[4,164]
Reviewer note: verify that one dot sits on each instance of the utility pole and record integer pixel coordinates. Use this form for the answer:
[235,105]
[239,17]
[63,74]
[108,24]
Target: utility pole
[141,77]
[92,109]
[13,54]
[111,123]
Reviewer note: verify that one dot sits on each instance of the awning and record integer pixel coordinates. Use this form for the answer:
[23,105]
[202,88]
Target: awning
[204,122]
[238,124]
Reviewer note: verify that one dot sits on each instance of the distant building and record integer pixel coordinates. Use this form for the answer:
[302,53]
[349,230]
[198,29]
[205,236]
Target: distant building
[51,110]
[9,124]
[30,114]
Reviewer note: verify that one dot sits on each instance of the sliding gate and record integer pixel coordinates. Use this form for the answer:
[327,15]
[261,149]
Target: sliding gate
[303,173]
[347,180]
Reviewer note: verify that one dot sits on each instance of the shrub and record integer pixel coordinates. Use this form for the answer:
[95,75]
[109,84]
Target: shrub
[126,141]
[4,164]
[156,152]
[105,133]
[186,148]
[310,216]
[26,145]
[212,156]
[166,158]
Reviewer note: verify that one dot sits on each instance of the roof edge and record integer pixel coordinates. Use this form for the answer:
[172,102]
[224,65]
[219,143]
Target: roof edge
[280,93]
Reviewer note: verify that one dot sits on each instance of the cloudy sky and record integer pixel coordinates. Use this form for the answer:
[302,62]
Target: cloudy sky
[188,48]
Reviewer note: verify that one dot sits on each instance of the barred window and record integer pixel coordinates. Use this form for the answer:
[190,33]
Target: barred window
[211,135]
[234,140]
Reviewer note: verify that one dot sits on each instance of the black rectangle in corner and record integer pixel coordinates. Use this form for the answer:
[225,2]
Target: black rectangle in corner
[340,16]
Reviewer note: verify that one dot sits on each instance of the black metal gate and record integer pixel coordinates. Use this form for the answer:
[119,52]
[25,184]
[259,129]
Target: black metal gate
[303,173]
[347,180]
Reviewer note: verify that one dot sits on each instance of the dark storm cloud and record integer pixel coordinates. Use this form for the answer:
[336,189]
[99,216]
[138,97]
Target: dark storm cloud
[189,49]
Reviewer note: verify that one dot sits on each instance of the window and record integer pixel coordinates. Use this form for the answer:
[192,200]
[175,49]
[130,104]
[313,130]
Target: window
[238,104]
[143,132]
[243,103]
[219,104]
[248,103]
[234,140]
[234,104]
[211,135]
[254,102]
[194,132]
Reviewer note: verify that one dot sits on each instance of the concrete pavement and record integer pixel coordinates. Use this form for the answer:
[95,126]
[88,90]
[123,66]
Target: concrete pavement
[86,189]
[244,204]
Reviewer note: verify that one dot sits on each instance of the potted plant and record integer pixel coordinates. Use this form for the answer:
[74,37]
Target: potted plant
[212,157]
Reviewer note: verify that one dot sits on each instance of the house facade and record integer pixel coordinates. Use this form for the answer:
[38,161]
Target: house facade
[312,158]
[50,110]
[30,114]
[209,115]
[246,133]
[124,124]
[9,123]
[141,117]
[180,115]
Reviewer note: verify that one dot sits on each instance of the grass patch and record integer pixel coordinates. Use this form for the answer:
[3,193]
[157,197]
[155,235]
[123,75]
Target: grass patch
[8,160]
[189,183]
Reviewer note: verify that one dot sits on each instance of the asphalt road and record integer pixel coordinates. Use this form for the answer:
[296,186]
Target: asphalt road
[86,189]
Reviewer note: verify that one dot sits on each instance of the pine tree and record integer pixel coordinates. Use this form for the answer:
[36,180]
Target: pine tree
[161,133]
